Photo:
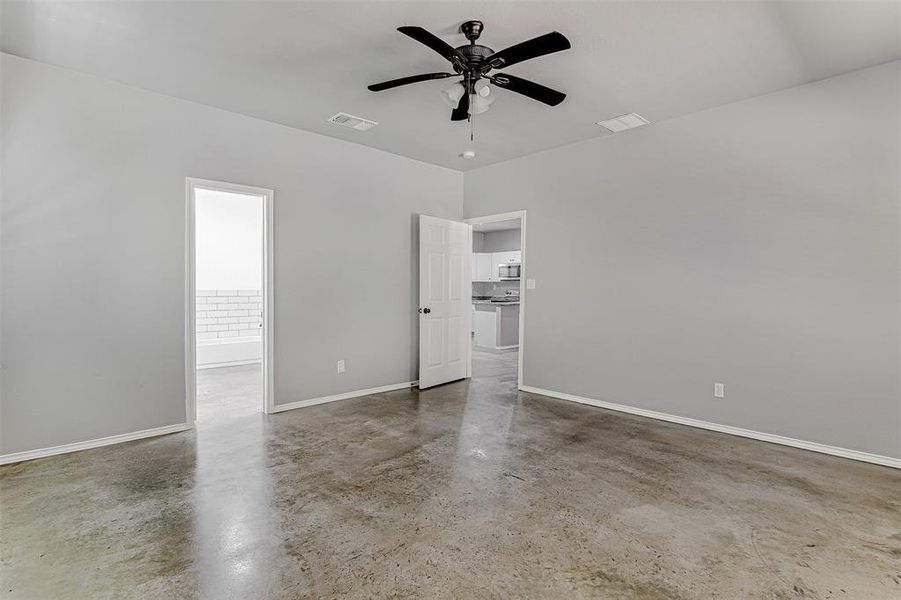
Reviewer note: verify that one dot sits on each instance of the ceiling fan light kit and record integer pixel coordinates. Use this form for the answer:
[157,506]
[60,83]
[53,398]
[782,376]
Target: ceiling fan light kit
[473,62]
[482,98]
[453,94]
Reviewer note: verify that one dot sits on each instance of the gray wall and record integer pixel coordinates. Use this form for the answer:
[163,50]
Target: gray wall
[755,244]
[478,240]
[93,225]
[501,241]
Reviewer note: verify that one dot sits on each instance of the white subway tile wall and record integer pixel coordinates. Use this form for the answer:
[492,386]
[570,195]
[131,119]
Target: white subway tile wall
[228,313]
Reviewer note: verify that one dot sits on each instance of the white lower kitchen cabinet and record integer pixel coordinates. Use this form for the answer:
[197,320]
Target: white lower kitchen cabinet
[485,325]
[496,326]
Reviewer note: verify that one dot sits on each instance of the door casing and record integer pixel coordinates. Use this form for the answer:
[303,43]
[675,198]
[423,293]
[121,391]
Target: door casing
[518,214]
[267,342]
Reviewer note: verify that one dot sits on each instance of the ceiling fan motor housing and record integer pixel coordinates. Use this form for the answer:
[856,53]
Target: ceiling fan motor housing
[475,56]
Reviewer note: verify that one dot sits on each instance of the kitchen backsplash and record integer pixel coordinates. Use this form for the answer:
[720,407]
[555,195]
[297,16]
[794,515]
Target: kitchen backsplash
[223,314]
[493,288]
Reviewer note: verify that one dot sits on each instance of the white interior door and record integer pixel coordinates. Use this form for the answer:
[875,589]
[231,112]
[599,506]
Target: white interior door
[445,300]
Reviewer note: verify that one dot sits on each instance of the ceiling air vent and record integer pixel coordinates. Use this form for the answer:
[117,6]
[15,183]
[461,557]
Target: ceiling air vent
[623,122]
[358,123]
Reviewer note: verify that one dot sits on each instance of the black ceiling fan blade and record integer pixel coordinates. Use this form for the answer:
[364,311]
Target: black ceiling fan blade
[543,44]
[387,85]
[461,113]
[434,42]
[533,90]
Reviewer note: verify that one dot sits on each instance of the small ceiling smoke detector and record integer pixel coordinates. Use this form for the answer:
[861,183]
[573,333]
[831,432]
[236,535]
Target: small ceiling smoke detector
[468,154]
[358,123]
[623,122]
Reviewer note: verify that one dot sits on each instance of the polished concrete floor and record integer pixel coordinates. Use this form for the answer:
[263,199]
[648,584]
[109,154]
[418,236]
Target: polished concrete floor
[469,490]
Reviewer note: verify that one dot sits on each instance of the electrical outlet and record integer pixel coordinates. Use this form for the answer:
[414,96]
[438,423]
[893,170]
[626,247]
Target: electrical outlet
[719,390]
[340,366]
[530,284]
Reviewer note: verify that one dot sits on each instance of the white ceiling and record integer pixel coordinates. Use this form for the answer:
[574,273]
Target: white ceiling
[297,63]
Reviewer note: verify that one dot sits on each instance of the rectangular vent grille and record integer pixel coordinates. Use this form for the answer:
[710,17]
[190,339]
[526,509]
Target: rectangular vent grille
[623,122]
[358,123]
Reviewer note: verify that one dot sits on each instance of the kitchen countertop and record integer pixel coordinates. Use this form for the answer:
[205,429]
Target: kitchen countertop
[495,303]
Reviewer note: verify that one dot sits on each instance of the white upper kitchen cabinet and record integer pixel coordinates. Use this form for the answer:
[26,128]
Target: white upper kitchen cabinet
[485,264]
[511,257]
[484,268]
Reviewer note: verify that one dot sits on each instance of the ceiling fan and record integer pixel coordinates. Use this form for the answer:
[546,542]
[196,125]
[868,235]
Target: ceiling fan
[473,62]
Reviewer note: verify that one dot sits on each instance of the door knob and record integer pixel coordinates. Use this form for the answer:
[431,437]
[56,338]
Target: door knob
[425,310]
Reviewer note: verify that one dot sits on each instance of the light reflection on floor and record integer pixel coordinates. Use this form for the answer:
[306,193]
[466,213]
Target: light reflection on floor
[235,530]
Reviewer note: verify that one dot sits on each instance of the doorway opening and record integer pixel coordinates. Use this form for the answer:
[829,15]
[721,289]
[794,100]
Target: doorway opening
[498,277]
[229,300]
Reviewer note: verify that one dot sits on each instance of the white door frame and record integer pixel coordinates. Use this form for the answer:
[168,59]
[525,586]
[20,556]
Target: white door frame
[517,214]
[192,184]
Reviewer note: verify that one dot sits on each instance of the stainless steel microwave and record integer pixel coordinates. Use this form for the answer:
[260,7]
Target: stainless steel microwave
[509,271]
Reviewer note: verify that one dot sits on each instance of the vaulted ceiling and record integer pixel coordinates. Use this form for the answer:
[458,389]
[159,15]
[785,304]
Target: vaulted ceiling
[298,63]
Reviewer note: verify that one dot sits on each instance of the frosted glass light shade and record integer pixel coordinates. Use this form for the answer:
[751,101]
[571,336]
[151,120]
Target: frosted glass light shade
[453,94]
[483,98]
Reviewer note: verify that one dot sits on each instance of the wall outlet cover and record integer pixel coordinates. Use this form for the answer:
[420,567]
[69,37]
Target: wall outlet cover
[530,284]
[341,366]
[719,390]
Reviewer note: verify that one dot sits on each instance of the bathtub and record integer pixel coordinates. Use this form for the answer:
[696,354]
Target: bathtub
[227,352]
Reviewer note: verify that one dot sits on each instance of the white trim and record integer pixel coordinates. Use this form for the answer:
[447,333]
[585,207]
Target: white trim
[268,289]
[86,445]
[190,308]
[522,299]
[314,401]
[508,216]
[232,363]
[192,183]
[877,459]
[469,315]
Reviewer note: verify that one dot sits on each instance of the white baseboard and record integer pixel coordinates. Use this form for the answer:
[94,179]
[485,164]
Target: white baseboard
[233,363]
[877,459]
[356,394]
[106,441]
